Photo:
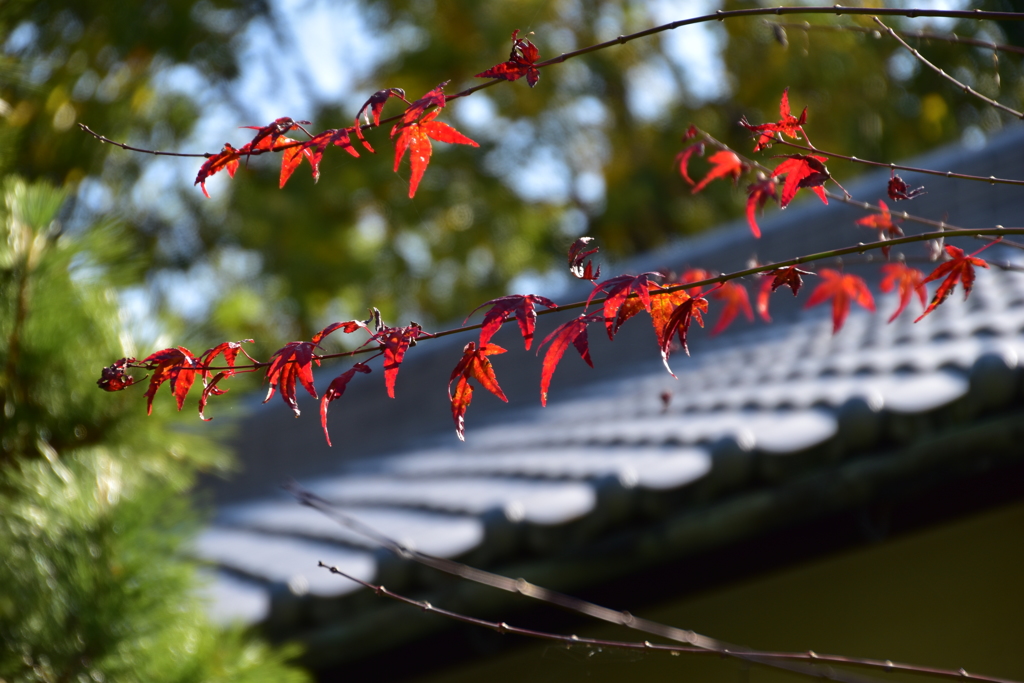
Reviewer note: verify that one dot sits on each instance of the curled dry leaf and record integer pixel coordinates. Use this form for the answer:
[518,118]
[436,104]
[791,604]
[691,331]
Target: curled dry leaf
[520,63]
[113,377]
[578,253]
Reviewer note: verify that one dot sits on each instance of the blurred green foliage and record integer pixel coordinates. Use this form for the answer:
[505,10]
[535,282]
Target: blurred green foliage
[589,128]
[92,516]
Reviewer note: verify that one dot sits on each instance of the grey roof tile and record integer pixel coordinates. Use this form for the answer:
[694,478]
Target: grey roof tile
[284,560]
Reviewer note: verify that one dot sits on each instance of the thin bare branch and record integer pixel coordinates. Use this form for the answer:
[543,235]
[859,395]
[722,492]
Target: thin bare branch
[962,86]
[920,35]
[992,180]
[158,153]
[646,646]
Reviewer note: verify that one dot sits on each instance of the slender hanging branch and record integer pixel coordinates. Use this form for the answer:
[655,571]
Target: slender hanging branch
[104,139]
[647,646]
[962,86]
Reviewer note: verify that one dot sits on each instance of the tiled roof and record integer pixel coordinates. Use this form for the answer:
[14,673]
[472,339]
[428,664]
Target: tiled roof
[753,417]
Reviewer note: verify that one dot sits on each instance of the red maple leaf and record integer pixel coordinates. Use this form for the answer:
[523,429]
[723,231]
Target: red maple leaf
[694,275]
[415,136]
[113,377]
[960,268]
[908,280]
[683,159]
[372,109]
[802,170]
[338,137]
[521,305]
[786,125]
[898,189]
[335,390]
[757,195]
[773,279]
[433,98]
[679,324]
[577,254]
[572,332]
[348,327]
[176,366]
[229,350]
[520,62]
[736,299]
[474,364]
[395,341]
[292,362]
[883,223]
[619,289]
[842,289]
[267,136]
[226,159]
[727,164]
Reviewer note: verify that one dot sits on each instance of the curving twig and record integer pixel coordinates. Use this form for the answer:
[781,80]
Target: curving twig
[647,646]
[962,86]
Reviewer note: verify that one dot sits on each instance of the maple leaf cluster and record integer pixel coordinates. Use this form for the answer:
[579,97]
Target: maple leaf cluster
[673,303]
[413,133]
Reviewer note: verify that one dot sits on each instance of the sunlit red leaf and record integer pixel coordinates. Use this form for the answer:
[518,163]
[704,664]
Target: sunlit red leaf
[372,109]
[843,289]
[474,364]
[726,164]
[396,341]
[415,136]
[802,170]
[572,332]
[619,289]
[679,325]
[293,362]
[520,305]
[338,137]
[960,268]
[267,136]
[786,125]
[211,389]
[434,98]
[908,281]
[577,255]
[683,159]
[226,159]
[335,390]
[772,280]
[113,377]
[883,223]
[348,327]
[520,63]
[694,275]
[229,350]
[736,299]
[757,194]
[178,367]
